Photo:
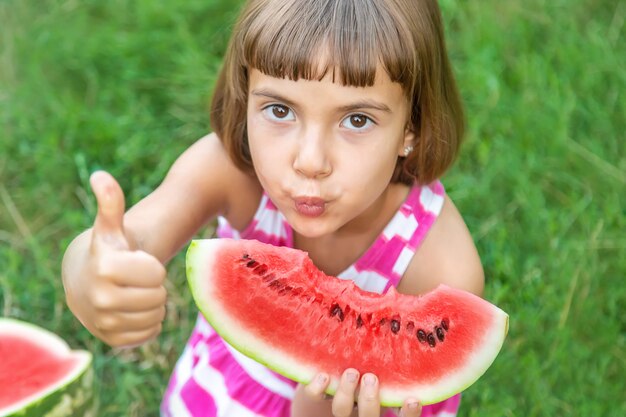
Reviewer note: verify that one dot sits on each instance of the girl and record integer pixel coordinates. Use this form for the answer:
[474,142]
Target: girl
[333,121]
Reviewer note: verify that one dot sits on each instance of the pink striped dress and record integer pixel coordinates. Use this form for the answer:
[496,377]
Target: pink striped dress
[213,379]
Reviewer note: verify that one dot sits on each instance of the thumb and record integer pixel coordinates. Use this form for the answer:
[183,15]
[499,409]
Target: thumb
[109,224]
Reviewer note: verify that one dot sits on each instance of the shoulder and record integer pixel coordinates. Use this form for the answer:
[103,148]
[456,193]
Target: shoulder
[446,256]
[211,177]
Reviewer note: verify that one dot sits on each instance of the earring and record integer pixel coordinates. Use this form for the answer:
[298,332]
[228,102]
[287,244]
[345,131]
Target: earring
[407,150]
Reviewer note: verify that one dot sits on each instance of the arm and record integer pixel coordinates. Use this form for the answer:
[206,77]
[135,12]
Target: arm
[447,256]
[200,185]
[113,273]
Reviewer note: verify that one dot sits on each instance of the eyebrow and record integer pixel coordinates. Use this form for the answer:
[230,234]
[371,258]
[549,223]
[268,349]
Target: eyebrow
[357,105]
[262,92]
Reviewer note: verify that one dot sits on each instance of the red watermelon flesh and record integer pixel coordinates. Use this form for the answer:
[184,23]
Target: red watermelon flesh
[35,364]
[272,304]
[28,368]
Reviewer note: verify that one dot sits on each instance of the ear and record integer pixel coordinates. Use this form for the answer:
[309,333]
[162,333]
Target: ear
[408,142]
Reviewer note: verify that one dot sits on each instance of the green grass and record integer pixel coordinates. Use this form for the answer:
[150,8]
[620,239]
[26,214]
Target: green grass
[541,179]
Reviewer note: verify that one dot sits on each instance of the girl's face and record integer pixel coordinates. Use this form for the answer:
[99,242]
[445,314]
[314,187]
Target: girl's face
[325,153]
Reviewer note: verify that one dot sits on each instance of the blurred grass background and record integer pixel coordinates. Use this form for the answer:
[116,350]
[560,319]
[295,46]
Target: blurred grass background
[541,179]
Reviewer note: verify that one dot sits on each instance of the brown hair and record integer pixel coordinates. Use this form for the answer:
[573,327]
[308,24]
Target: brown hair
[281,37]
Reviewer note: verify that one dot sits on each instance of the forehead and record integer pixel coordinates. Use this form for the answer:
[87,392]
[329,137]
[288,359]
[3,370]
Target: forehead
[383,94]
[325,74]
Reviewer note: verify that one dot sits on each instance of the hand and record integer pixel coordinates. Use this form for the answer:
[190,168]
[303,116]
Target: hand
[366,394]
[117,293]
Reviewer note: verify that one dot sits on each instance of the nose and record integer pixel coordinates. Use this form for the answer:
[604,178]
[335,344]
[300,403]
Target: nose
[312,155]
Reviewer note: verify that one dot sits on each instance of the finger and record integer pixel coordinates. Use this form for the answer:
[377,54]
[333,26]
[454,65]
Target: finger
[411,408]
[109,224]
[132,269]
[133,338]
[315,389]
[368,400]
[343,403]
[129,299]
[126,322]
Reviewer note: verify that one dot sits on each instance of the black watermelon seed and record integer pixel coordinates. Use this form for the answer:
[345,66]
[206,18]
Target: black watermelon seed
[440,333]
[252,264]
[444,324]
[276,284]
[336,311]
[285,290]
[359,321]
[260,269]
[421,335]
[395,326]
[431,340]
[246,256]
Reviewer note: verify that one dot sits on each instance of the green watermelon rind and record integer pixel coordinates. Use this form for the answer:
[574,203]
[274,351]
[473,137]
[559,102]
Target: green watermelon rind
[199,261]
[69,397]
[196,262]
[73,399]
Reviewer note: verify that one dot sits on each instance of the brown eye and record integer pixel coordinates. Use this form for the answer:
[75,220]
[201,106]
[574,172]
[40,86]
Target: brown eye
[280,112]
[358,120]
[358,123]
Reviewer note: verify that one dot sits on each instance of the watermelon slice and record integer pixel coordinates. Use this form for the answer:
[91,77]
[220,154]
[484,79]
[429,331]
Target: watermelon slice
[40,375]
[273,305]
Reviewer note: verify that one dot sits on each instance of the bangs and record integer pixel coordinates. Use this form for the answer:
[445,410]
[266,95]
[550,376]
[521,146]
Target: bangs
[349,39]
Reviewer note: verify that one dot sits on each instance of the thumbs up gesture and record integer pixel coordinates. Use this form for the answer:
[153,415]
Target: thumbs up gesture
[115,291]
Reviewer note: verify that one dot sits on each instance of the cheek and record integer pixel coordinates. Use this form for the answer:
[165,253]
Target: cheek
[266,160]
[255,140]
[371,169]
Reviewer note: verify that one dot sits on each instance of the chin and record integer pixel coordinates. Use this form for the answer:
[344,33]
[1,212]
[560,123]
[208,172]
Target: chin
[311,228]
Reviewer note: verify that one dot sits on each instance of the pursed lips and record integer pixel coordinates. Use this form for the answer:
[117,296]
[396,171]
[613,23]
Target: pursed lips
[310,206]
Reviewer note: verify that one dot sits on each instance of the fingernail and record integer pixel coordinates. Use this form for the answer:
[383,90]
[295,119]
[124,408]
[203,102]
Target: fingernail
[352,376]
[413,404]
[321,379]
[369,380]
